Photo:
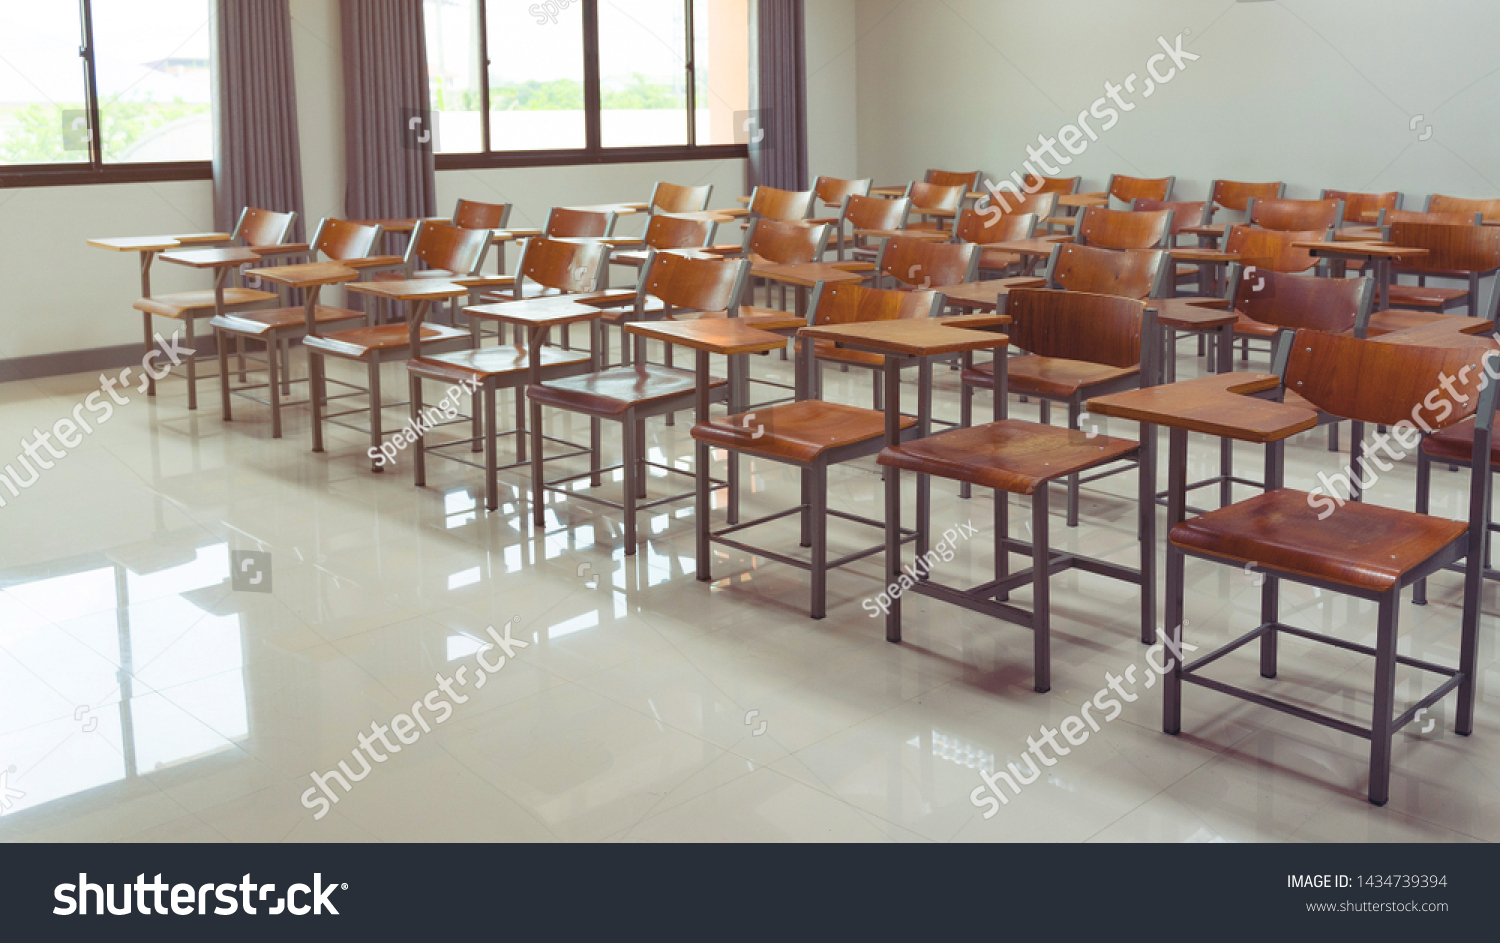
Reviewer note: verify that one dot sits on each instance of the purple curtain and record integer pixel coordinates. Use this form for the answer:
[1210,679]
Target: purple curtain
[257,156]
[387,119]
[780,86]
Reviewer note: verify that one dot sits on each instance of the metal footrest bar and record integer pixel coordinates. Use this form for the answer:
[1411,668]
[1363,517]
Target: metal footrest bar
[719,536]
[1161,496]
[968,599]
[1278,705]
[1118,571]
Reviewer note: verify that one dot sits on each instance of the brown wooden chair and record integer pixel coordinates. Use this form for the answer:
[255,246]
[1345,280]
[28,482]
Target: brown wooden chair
[1466,253]
[936,203]
[1298,215]
[350,244]
[441,245]
[1352,548]
[1443,219]
[567,268]
[1236,195]
[1437,203]
[1122,273]
[1033,184]
[831,191]
[811,435]
[632,393]
[780,205]
[1273,249]
[266,232]
[673,198]
[665,232]
[871,213]
[1124,229]
[1084,345]
[1129,189]
[981,229]
[968,179]
[587,224]
[1012,456]
[1364,209]
[1185,214]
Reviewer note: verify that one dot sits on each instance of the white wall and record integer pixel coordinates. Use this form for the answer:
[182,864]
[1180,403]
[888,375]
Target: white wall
[1318,93]
[832,115]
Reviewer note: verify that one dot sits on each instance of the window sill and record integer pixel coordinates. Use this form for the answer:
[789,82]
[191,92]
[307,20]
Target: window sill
[72,175]
[613,155]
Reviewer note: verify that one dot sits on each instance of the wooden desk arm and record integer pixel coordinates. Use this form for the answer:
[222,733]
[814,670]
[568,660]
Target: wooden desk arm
[1221,405]
[291,248]
[374,261]
[712,335]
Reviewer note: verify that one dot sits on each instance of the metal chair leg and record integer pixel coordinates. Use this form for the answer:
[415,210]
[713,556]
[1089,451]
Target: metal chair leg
[374,370]
[631,463]
[221,342]
[1075,409]
[1383,720]
[491,448]
[1423,502]
[1041,593]
[419,447]
[192,363]
[640,458]
[274,372]
[819,496]
[318,386]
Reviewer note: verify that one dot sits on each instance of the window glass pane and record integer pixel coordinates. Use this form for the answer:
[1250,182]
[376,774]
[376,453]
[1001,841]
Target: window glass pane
[721,44]
[454,73]
[151,60]
[642,73]
[41,85]
[536,75]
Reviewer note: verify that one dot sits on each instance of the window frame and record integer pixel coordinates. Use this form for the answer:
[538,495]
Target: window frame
[95,170]
[593,151]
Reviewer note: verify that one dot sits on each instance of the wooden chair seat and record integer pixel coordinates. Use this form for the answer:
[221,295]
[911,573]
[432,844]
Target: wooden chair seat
[362,342]
[828,350]
[799,431]
[767,319]
[1360,545]
[1455,444]
[1249,327]
[271,320]
[484,362]
[1424,296]
[1047,376]
[200,304]
[993,258]
[611,392]
[399,276]
[1011,455]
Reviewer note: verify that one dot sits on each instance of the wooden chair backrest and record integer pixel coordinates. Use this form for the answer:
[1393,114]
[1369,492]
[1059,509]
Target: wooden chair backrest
[1235,194]
[1041,203]
[1272,248]
[339,239]
[1437,203]
[1127,273]
[1299,215]
[1446,219]
[671,198]
[1076,325]
[988,228]
[923,265]
[698,284]
[969,180]
[257,227]
[577,223]
[935,196]
[1183,213]
[787,243]
[873,212]
[446,246]
[1385,383]
[1035,184]
[1357,204]
[471,215]
[771,203]
[1129,189]
[676,232]
[833,189]
[1449,248]
[1293,301]
[562,265]
[843,303]
[1124,229]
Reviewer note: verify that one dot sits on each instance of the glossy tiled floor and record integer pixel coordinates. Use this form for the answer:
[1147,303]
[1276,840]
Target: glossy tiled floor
[142,698]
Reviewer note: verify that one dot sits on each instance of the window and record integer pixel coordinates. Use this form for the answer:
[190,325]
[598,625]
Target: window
[105,91]
[586,81]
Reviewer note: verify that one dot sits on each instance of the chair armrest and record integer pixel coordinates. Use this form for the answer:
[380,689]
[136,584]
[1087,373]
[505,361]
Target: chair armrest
[290,248]
[727,336]
[374,261]
[1220,405]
